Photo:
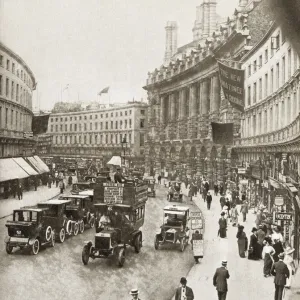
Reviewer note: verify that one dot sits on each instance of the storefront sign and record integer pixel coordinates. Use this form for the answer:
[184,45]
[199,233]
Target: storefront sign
[279,200]
[241,170]
[283,216]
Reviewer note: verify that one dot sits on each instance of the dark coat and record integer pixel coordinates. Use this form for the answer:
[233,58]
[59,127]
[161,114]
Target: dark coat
[206,186]
[255,253]
[220,279]
[208,198]
[188,293]
[222,200]
[281,272]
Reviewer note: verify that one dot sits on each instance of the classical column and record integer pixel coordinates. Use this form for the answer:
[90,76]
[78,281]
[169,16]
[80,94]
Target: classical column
[172,107]
[193,100]
[205,97]
[199,84]
[216,94]
[162,109]
[182,103]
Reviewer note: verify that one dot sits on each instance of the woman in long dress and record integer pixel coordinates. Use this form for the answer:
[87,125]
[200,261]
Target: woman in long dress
[267,255]
[289,261]
[254,252]
[242,241]
[234,215]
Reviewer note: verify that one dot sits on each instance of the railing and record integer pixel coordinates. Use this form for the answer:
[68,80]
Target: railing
[282,135]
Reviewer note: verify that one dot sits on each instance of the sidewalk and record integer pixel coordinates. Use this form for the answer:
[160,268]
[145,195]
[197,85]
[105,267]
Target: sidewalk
[246,276]
[43,193]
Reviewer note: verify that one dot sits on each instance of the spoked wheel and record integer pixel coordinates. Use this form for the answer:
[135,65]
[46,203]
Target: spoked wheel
[52,241]
[35,248]
[182,244]
[8,248]
[75,228]
[138,244]
[62,235]
[85,255]
[81,226]
[48,234]
[156,243]
[120,257]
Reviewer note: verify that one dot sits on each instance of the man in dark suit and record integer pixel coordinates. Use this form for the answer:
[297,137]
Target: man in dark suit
[281,273]
[220,280]
[184,292]
[118,177]
[208,200]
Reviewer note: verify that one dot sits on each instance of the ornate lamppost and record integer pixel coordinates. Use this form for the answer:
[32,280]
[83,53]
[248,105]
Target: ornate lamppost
[124,145]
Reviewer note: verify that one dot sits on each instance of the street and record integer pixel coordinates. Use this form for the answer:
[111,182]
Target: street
[57,273]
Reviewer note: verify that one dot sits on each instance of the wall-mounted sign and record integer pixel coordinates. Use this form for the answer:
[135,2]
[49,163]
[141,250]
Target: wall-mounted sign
[283,216]
[241,170]
[279,201]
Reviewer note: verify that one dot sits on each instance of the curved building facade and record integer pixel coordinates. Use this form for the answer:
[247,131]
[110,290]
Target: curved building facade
[16,85]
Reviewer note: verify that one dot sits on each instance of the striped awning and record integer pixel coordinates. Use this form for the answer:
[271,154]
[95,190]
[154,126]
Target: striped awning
[10,170]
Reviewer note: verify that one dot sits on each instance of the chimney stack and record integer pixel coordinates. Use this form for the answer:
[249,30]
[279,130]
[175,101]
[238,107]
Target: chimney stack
[171,40]
[209,17]
[198,26]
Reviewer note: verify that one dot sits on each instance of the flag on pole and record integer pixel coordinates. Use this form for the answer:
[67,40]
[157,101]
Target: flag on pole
[222,133]
[104,91]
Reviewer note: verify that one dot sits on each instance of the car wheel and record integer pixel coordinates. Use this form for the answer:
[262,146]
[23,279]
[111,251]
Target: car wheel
[156,243]
[92,222]
[52,241]
[62,235]
[48,234]
[138,243]
[81,226]
[120,257]
[75,228]
[85,255]
[182,244]
[35,248]
[9,248]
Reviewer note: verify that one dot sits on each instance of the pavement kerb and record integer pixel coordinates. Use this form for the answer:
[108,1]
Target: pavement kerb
[58,193]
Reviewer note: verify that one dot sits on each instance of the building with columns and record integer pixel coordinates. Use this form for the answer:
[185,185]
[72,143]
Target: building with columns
[17,83]
[185,97]
[270,128]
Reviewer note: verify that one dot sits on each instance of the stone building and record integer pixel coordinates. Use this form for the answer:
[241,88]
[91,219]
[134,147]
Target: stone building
[185,96]
[99,133]
[17,83]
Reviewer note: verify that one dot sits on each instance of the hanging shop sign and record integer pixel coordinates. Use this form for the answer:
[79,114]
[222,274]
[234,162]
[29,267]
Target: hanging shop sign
[279,201]
[283,216]
[241,170]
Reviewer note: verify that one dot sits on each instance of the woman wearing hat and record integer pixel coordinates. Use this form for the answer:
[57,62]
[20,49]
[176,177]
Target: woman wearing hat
[242,241]
[254,252]
[222,225]
[267,255]
[289,261]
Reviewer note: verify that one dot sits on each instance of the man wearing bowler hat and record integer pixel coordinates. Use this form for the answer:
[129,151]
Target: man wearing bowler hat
[220,280]
[135,294]
[184,292]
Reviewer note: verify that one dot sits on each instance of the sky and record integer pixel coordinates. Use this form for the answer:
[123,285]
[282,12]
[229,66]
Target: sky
[91,44]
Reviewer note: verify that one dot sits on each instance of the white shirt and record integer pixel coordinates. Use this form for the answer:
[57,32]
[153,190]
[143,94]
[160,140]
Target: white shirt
[267,249]
[105,219]
[183,293]
[277,236]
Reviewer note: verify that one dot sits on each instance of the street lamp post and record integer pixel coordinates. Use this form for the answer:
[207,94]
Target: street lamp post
[124,143]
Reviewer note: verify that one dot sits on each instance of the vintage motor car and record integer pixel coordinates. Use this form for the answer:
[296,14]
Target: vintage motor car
[60,217]
[122,213]
[174,193]
[174,228]
[29,229]
[151,186]
[82,186]
[81,209]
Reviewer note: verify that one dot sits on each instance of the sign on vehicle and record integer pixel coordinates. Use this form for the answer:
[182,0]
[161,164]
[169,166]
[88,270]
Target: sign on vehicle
[283,216]
[113,193]
[196,220]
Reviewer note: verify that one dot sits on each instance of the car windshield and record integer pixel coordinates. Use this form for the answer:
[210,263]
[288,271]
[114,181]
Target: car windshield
[25,216]
[174,218]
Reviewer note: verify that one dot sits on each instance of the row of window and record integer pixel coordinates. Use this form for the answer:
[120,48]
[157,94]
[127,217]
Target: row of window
[94,126]
[265,86]
[14,120]
[274,46]
[10,66]
[95,116]
[14,92]
[96,139]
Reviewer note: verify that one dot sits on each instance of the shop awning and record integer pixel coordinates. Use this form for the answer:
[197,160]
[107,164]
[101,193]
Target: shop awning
[292,188]
[115,160]
[35,164]
[25,166]
[43,165]
[10,170]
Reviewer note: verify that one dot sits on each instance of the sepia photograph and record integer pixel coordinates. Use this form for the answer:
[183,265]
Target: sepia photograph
[150,149]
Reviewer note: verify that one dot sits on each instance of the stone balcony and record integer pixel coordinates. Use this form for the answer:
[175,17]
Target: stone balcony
[280,136]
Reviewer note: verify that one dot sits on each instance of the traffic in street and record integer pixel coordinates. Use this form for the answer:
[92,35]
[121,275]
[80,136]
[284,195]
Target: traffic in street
[59,271]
